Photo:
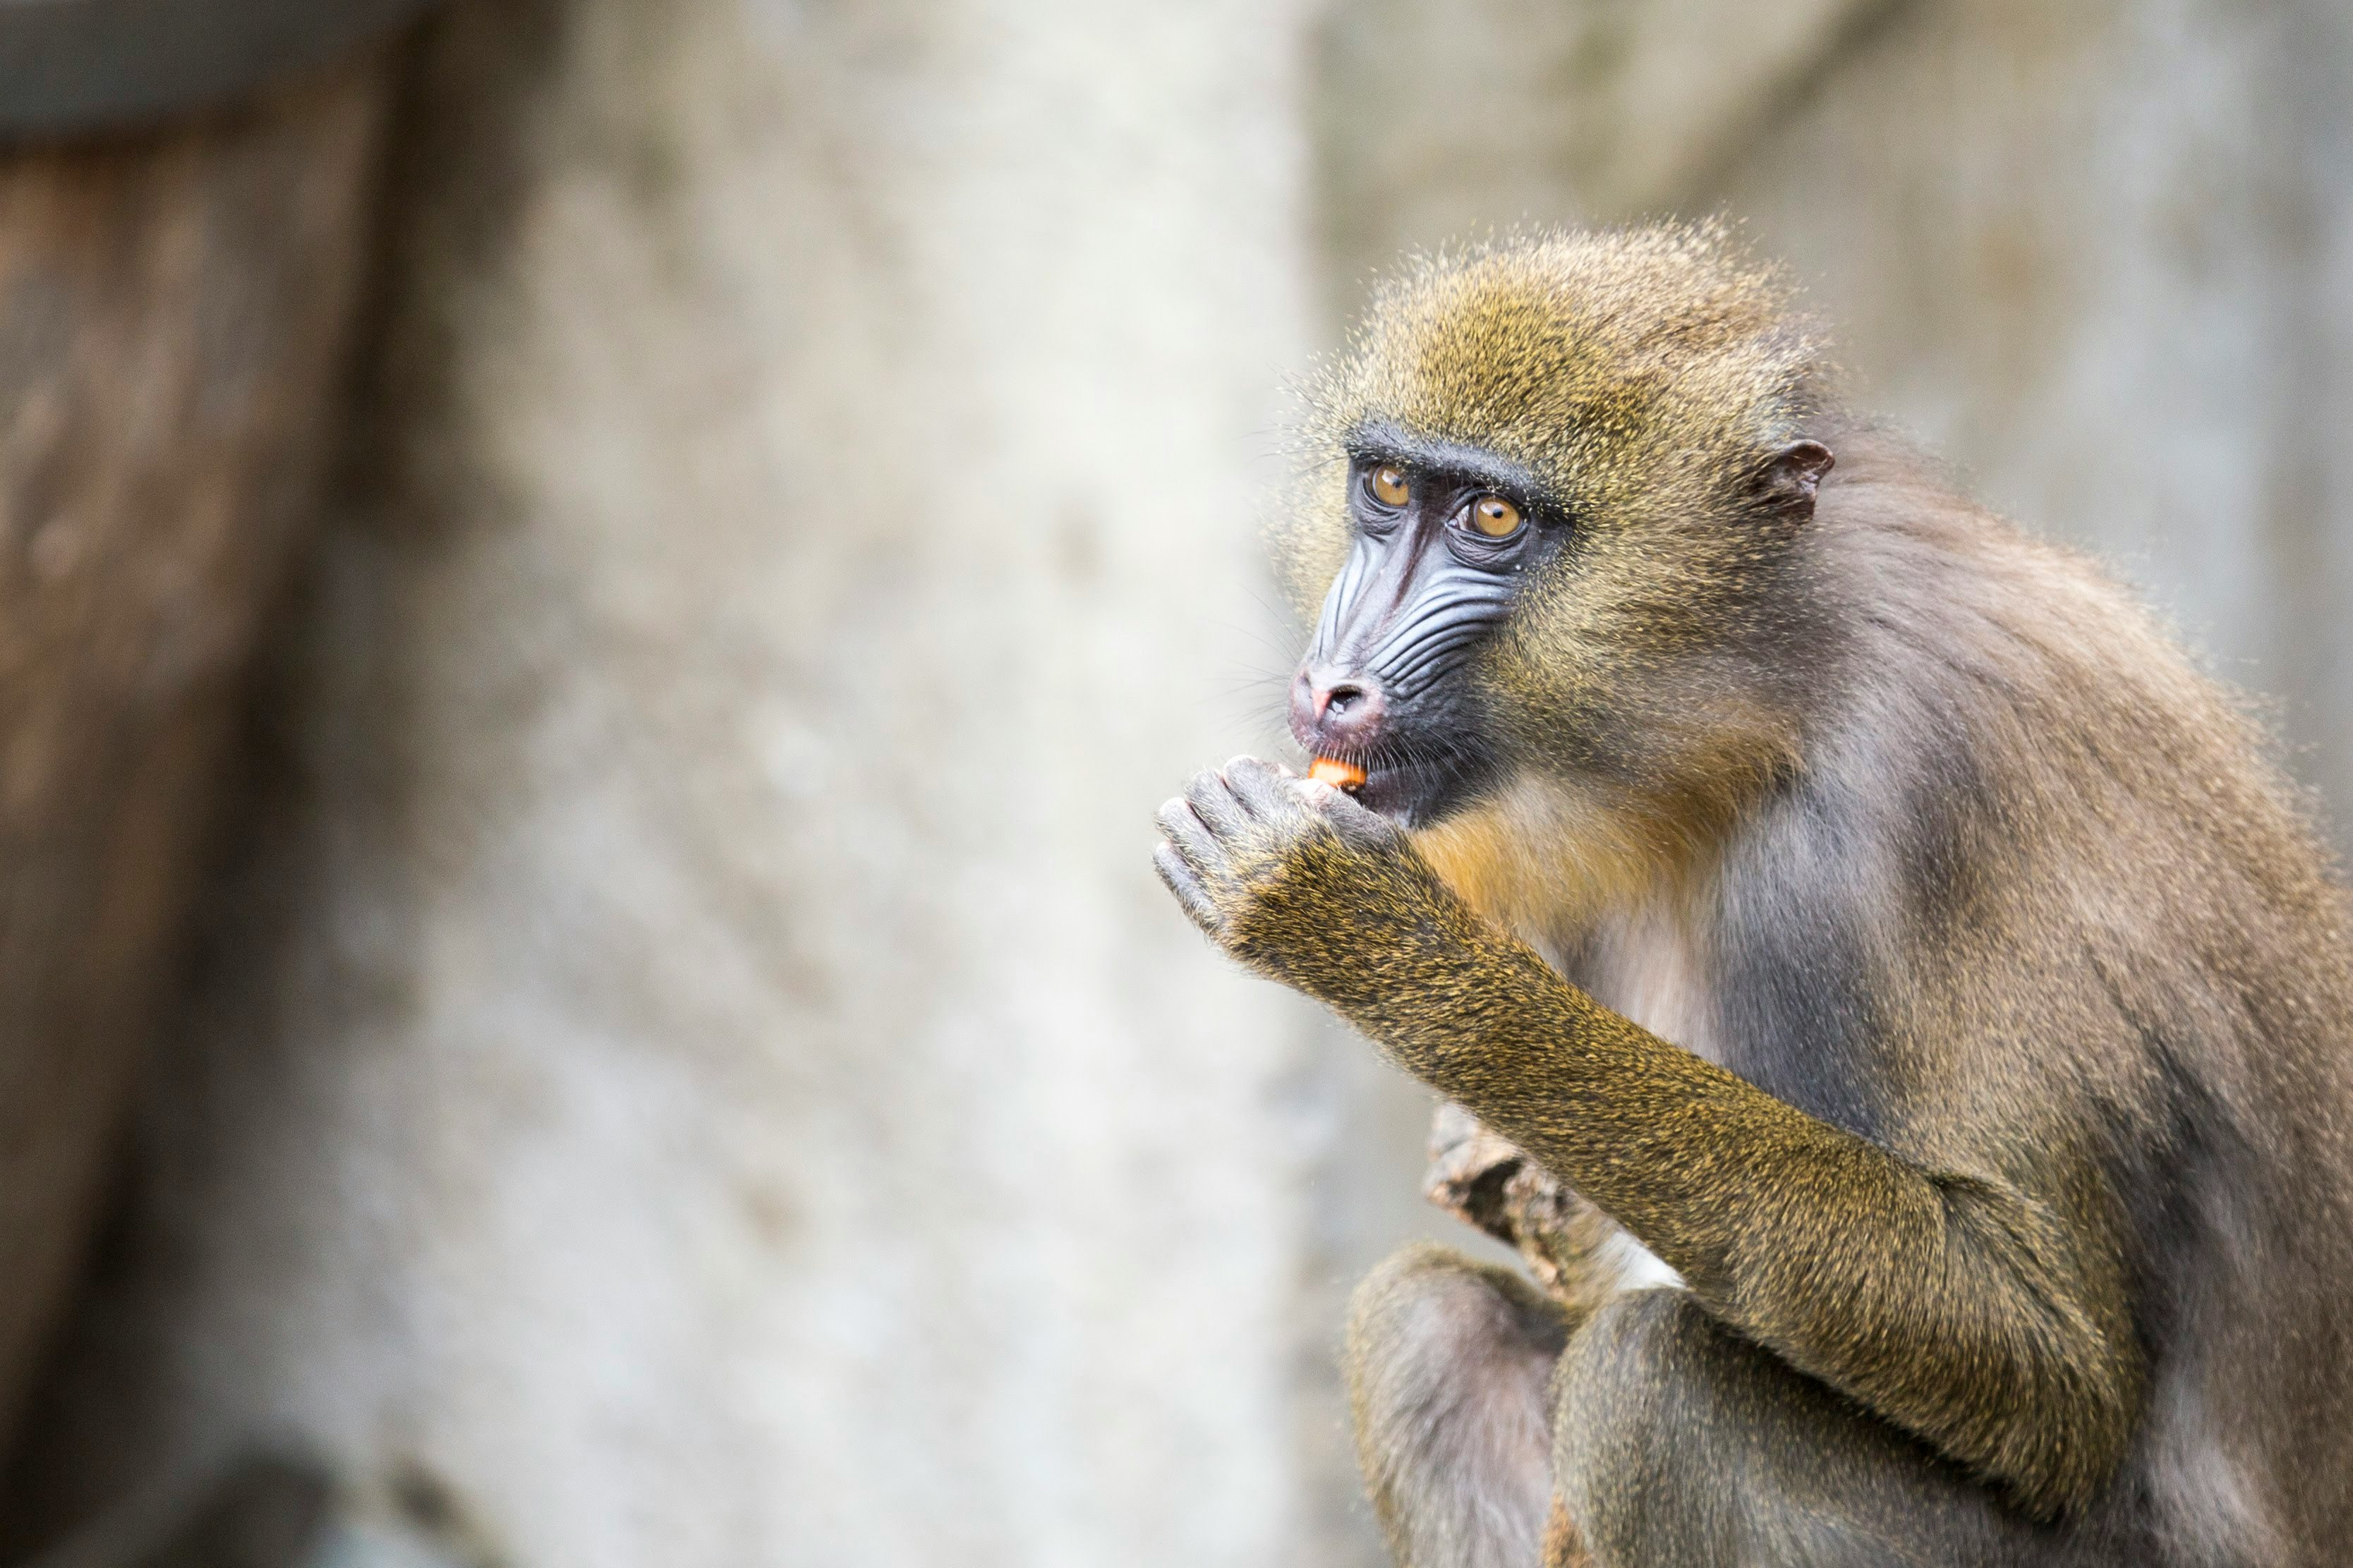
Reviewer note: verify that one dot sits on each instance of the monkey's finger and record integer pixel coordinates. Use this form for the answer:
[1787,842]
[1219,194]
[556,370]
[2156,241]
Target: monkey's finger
[1264,791]
[1351,818]
[1191,838]
[1190,895]
[1213,801]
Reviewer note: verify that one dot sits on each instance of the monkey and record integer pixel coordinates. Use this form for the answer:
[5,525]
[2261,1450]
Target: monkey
[1927,975]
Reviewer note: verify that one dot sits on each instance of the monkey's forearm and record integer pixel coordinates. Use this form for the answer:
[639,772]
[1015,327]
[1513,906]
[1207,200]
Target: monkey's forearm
[1954,1307]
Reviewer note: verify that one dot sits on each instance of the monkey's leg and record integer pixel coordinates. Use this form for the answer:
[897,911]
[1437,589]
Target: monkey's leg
[1450,1365]
[1679,1443]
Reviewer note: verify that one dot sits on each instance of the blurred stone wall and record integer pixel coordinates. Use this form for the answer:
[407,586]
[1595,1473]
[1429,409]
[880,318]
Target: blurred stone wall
[692,1067]
[696,1068]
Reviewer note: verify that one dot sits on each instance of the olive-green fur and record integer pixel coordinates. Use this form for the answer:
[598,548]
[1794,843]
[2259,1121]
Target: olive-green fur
[1808,1238]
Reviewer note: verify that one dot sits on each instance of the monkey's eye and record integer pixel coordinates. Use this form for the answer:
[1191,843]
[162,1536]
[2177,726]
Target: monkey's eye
[1389,485]
[1495,517]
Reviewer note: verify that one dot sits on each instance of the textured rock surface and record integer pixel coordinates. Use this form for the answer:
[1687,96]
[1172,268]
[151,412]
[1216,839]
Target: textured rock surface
[699,1062]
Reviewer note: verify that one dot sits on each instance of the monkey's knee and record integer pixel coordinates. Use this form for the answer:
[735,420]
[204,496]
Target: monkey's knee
[1680,1442]
[1449,1366]
[1430,1332]
[1627,1384]
[1659,1413]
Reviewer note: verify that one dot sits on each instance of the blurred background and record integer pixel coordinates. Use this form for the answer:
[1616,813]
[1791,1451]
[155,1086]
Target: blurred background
[595,597]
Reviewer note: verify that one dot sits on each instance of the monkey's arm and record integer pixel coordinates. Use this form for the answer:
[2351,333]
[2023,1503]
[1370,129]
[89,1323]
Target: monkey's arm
[1989,1321]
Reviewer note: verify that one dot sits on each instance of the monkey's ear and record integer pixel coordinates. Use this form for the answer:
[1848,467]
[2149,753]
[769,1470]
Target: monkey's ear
[1792,474]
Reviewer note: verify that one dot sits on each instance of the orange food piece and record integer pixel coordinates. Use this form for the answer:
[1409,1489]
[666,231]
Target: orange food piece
[1338,775]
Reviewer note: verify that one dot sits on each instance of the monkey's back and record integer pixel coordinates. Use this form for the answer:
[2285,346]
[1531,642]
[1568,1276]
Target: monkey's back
[2038,898]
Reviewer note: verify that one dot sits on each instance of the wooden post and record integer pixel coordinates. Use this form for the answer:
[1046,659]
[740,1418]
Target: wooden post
[175,312]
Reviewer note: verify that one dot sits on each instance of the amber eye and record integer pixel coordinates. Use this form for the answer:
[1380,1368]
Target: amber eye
[1389,486]
[1495,517]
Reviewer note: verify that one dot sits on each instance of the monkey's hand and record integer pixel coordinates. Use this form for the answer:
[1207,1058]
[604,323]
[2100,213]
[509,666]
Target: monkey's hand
[1303,883]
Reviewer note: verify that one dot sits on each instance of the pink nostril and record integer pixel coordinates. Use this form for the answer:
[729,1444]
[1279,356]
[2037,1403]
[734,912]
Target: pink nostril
[1332,712]
[1335,700]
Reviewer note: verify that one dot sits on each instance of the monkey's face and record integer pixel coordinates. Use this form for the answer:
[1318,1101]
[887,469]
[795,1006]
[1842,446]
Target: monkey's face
[1572,477]
[1441,540]
[1480,629]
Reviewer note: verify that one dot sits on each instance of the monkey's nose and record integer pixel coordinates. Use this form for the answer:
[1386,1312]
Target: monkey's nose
[1336,713]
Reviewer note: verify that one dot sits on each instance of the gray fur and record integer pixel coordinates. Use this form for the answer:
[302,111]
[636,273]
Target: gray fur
[1449,1364]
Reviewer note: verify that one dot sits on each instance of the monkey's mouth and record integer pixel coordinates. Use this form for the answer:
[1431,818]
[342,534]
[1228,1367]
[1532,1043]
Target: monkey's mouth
[1410,794]
[1394,791]
[1337,773]
[1414,773]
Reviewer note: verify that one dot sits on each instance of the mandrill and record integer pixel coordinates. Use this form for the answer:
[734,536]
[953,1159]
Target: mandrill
[1915,968]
